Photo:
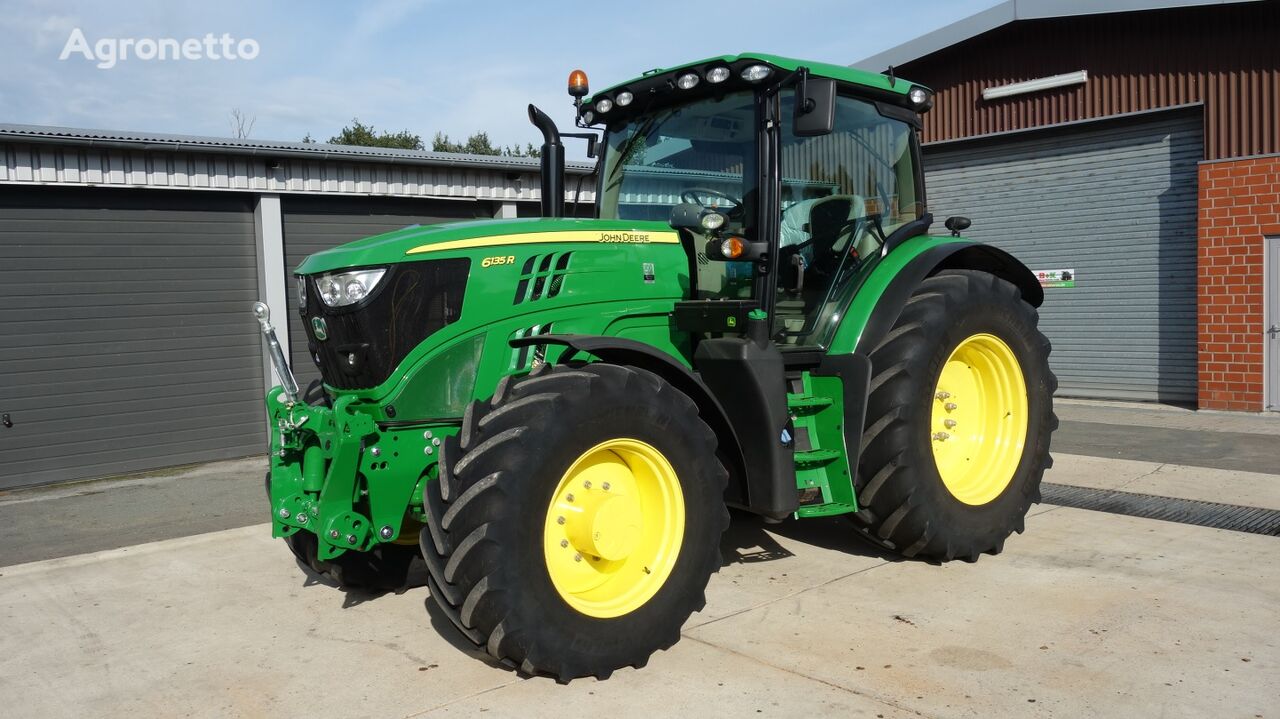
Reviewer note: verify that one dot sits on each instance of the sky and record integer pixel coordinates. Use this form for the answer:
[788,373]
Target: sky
[422,65]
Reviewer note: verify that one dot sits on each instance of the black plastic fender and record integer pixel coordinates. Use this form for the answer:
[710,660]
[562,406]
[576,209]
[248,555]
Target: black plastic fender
[945,256]
[622,351]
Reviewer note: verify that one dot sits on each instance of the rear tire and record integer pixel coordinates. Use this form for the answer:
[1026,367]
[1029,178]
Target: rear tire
[905,503]
[490,540]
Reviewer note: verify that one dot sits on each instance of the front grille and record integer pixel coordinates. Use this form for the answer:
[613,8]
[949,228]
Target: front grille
[366,341]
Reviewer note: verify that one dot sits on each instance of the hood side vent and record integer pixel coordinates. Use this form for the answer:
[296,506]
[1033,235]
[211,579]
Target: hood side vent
[542,277]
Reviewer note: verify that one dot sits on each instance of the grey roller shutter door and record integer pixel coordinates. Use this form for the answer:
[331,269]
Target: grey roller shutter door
[1114,201]
[312,224]
[125,338]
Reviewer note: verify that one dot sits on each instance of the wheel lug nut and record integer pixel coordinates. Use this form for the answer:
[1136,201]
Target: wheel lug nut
[949,423]
[605,486]
[942,395]
[284,514]
[586,484]
[564,543]
[569,497]
[941,436]
[950,406]
[577,557]
[559,520]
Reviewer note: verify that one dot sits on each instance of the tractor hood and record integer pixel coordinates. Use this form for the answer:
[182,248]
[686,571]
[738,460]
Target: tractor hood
[458,239]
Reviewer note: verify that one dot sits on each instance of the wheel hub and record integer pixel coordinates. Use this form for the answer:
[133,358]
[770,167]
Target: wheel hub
[614,528]
[978,426]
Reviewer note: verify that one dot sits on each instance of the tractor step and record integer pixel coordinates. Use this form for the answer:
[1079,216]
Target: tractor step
[815,457]
[807,404]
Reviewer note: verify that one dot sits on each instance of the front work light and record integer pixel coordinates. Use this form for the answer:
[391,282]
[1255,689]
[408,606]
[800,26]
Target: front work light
[604,105]
[687,81]
[624,98]
[756,73]
[348,288]
[717,75]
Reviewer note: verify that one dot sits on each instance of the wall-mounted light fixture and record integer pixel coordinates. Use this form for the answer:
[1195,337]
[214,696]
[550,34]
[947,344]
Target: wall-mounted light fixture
[1078,77]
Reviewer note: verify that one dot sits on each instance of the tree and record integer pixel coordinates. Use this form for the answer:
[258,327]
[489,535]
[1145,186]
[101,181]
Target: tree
[366,136]
[479,144]
[308,140]
[241,124]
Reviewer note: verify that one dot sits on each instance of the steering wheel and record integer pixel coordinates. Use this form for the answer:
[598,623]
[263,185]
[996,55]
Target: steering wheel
[690,195]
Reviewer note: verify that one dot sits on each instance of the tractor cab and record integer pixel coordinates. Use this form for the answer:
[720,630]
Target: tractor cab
[786,184]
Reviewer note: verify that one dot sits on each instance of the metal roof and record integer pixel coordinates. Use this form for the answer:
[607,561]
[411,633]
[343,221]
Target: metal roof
[1011,11]
[163,142]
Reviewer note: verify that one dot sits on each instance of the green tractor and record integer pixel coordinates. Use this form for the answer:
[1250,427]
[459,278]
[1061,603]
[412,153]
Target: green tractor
[556,413]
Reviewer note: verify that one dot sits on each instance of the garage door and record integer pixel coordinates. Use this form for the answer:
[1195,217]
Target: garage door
[125,340]
[1114,203]
[312,224]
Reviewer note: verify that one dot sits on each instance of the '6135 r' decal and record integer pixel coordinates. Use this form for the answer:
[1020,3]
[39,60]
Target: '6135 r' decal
[498,260]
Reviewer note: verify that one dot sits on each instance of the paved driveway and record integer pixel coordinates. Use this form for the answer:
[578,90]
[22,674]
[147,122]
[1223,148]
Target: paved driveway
[1087,614]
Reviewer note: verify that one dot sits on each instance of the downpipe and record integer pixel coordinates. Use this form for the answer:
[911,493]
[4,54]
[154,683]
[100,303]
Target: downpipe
[276,352]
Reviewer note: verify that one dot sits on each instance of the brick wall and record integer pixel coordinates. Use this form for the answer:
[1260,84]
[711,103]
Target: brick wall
[1239,204]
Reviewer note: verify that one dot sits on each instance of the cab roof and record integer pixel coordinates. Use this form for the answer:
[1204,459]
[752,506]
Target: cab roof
[840,73]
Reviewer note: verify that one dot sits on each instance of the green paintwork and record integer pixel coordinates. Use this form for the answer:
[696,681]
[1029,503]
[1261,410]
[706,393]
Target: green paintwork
[393,246]
[819,411]
[840,73]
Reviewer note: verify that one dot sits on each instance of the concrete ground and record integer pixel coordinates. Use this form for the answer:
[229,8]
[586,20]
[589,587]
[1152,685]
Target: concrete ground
[1086,614]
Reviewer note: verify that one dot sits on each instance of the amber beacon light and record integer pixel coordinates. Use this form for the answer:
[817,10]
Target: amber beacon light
[578,84]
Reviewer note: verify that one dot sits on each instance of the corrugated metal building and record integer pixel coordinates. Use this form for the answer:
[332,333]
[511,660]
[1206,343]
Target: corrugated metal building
[1134,144]
[131,261]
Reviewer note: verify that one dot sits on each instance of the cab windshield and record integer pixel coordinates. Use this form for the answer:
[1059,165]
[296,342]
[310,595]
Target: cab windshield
[699,153]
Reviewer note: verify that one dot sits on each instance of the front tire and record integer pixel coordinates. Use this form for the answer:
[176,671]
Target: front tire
[576,520]
[959,418]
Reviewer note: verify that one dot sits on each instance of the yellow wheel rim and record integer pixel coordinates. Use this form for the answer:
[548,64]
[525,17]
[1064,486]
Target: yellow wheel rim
[979,420]
[614,528]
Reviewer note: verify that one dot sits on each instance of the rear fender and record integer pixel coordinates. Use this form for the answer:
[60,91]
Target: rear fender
[885,291]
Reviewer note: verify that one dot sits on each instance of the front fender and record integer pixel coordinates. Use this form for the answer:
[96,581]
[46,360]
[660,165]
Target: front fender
[885,291]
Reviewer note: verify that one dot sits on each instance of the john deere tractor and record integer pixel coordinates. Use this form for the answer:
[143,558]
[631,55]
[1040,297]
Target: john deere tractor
[555,413]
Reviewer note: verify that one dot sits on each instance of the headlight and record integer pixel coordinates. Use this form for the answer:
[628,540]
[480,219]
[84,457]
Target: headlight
[604,105]
[589,117]
[921,98]
[756,73]
[687,80]
[624,98]
[301,283]
[712,221]
[348,288]
[717,74]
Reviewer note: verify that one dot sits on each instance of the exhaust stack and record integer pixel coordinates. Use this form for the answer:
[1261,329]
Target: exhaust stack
[552,164]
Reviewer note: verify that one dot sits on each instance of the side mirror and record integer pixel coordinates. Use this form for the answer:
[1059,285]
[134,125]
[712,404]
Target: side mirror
[815,112]
[957,224]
